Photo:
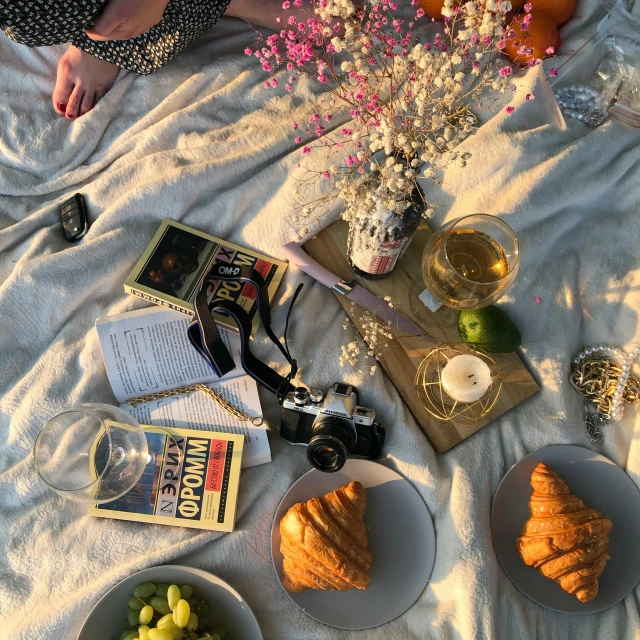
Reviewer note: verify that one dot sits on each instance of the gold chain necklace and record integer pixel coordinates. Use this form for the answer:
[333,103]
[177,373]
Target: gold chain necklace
[215,395]
[606,384]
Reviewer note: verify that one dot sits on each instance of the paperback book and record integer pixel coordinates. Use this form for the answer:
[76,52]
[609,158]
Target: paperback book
[177,259]
[191,480]
[147,351]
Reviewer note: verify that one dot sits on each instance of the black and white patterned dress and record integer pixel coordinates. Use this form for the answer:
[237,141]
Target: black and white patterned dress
[38,23]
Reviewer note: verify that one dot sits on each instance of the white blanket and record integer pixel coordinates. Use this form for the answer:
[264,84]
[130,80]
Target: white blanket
[202,142]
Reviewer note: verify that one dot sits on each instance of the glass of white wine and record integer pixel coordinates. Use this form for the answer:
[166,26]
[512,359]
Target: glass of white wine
[92,453]
[471,262]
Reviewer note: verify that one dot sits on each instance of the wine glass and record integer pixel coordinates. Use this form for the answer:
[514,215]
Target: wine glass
[471,262]
[92,453]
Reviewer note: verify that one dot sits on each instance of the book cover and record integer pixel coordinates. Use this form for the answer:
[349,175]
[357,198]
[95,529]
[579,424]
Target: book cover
[178,257]
[191,480]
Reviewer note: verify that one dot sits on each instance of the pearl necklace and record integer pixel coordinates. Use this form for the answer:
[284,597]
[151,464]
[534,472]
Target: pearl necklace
[625,360]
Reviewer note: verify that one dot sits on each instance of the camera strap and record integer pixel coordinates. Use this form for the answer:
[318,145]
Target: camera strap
[205,335]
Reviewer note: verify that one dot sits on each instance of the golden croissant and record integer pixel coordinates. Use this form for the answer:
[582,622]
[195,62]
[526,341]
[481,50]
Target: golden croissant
[324,542]
[563,539]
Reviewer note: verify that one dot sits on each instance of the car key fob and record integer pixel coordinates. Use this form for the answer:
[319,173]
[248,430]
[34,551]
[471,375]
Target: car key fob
[74,218]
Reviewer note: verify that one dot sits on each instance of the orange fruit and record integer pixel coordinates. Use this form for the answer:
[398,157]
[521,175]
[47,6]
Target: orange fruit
[539,36]
[559,10]
[433,8]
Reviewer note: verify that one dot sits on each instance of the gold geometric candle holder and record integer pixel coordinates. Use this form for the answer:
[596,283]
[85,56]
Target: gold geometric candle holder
[428,385]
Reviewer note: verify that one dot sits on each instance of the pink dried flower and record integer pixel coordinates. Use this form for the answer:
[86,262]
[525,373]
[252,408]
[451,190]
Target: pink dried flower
[505,72]
[534,62]
[527,19]
[322,78]
[509,110]
[554,72]
[326,174]
[550,51]
[528,7]
[298,139]
[248,51]
[327,117]
[294,125]
[285,4]
[288,87]
[419,13]
[306,150]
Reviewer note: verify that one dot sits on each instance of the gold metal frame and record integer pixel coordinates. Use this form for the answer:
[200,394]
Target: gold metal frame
[428,386]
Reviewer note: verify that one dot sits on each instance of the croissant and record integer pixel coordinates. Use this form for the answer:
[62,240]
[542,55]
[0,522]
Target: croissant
[324,542]
[563,539]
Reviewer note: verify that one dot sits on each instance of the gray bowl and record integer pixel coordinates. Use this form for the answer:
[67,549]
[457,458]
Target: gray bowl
[108,619]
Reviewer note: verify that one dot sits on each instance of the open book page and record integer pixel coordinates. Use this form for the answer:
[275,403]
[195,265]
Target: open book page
[199,411]
[147,351]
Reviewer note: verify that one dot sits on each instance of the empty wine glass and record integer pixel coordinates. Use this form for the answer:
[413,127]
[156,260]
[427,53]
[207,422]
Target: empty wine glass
[92,453]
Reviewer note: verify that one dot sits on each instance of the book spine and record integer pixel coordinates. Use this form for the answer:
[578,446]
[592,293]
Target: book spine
[158,301]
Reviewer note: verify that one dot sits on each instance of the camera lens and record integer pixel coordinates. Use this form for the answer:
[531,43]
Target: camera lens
[330,444]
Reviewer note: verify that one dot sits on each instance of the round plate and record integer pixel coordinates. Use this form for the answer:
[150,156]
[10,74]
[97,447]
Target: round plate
[402,541]
[602,485]
[226,606]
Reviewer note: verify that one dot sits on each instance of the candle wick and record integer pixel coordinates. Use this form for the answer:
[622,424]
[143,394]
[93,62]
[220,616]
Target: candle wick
[471,376]
[475,382]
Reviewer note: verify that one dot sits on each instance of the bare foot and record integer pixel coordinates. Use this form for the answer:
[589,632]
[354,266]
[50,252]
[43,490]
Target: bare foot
[82,81]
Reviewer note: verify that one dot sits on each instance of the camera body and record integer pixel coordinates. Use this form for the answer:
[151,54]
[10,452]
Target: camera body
[332,426]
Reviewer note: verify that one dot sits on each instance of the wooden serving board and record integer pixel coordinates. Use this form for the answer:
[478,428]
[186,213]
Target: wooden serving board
[401,357]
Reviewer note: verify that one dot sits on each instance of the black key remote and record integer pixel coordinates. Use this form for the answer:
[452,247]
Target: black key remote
[74,218]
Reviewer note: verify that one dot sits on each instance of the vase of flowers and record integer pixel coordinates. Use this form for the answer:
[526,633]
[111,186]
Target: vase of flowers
[395,108]
[381,225]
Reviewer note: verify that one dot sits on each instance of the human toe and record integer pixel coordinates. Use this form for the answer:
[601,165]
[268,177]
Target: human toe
[88,100]
[75,100]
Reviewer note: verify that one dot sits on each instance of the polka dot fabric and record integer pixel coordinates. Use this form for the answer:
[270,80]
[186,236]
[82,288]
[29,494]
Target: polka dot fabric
[38,23]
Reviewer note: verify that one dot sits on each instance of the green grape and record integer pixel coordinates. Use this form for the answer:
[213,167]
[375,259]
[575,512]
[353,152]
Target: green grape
[130,635]
[132,617]
[214,636]
[192,624]
[192,602]
[143,631]
[159,634]
[166,623]
[186,591]
[181,613]
[193,635]
[146,614]
[134,603]
[161,590]
[144,590]
[173,595]
[220,631]
[160,605]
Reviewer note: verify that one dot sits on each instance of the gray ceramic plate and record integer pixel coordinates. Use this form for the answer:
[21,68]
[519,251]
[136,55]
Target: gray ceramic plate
[401,539]
[602,485]
[108,618]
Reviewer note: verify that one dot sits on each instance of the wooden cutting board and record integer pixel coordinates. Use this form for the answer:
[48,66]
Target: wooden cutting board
[401,357]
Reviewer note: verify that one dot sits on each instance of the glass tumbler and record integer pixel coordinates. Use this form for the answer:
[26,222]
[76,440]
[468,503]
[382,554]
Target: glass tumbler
[471,262]
[92,453]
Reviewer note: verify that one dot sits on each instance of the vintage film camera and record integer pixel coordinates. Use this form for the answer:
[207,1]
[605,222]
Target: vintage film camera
[333,427]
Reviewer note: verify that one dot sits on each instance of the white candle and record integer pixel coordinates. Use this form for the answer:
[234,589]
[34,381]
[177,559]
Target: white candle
[466,378]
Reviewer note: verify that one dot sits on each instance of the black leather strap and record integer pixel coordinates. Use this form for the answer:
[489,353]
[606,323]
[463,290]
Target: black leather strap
[205,336]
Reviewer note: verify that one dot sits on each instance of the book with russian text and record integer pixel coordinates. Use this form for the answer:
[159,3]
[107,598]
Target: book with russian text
[191,480]
[179,256]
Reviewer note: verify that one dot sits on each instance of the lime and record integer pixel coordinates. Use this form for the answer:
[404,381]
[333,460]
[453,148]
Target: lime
[489,329]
